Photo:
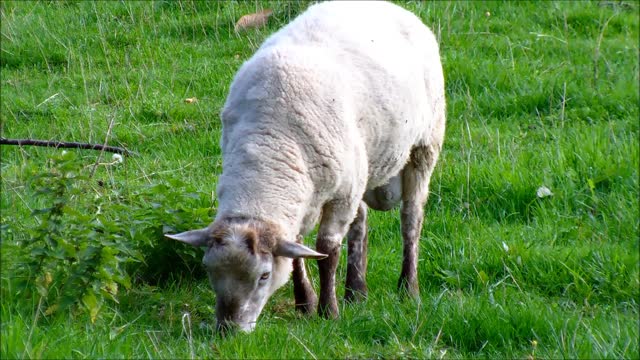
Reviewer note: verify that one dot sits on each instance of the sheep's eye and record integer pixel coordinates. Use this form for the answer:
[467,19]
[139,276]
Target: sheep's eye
[265,276]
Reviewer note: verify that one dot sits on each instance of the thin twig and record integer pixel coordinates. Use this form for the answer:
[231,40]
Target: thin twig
[564,101]
[26,204]
[548,36]
[106,139]
[187,330]
[34,323]
[303,345]
[596,53]
[435,342]
[48,99]
[147,176]
[154,340]
[66,145]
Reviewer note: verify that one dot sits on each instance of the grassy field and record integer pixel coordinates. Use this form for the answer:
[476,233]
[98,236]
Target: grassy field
[539,94]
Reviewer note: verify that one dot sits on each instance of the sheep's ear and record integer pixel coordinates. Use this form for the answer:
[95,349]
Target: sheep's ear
[197,238]
[294,250]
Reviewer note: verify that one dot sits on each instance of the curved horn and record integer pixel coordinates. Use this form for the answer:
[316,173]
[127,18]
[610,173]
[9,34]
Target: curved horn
[197,238]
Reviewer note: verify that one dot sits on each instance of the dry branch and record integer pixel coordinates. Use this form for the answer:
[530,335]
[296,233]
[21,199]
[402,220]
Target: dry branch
[66,145]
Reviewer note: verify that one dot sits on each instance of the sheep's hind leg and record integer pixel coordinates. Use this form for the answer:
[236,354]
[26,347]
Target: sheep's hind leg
[415,189]
[382,198]
[356,284]
[305,297]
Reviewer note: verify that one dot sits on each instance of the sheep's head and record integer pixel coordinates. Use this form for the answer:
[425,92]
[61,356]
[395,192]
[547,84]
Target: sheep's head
[247,261]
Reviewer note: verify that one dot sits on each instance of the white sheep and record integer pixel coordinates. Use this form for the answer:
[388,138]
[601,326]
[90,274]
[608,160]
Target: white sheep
[344,103]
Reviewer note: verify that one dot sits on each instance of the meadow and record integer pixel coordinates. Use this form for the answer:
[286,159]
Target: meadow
[539,95]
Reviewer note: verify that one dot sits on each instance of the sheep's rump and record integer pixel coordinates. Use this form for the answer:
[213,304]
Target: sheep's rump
[355,91]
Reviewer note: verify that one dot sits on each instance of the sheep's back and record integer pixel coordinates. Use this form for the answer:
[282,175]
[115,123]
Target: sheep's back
[348,86]
[388,74]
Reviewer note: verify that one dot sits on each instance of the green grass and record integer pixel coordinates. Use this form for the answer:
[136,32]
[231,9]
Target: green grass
[539,94]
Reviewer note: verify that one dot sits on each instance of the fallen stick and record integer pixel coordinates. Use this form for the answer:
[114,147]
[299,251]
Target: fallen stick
[66,145]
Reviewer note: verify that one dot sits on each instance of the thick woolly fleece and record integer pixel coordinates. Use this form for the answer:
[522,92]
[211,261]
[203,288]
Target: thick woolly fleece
[328,107]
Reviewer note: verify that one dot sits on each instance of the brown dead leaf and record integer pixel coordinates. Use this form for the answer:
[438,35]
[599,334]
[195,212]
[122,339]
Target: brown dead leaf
[253,21]
[190,100]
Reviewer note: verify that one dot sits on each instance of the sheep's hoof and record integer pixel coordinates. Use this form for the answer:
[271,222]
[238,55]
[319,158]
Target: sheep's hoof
[307,308]
[355,295]
[408,288]
[328,311]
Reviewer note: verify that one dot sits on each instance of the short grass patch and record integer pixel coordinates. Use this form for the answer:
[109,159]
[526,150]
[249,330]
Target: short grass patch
[539,95]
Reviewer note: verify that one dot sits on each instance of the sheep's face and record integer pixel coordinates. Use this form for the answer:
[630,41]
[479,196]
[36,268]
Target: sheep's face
[242,275]
[246,263]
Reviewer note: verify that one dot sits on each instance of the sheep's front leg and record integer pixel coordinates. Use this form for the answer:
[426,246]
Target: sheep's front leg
[415,190]
[356,284]
[333,227]
[305,297]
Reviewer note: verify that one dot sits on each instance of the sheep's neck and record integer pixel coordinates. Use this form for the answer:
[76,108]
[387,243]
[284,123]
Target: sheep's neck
[270,187]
